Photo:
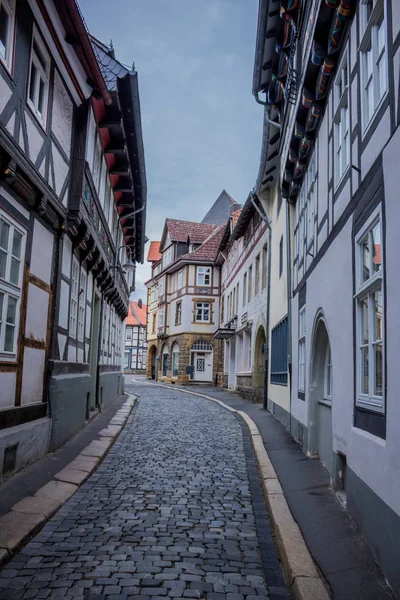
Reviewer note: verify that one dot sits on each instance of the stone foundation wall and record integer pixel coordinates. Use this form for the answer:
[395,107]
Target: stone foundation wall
[185,341]
[247,389]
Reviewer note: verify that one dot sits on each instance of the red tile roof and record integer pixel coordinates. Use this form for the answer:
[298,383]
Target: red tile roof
[154,252]
[235,216]
[209,249]
[136,315]
[179,231]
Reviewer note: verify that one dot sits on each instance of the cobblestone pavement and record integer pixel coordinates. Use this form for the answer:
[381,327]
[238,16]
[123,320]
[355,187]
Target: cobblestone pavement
[172,512]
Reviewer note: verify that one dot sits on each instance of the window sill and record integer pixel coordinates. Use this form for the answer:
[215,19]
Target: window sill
[371,405]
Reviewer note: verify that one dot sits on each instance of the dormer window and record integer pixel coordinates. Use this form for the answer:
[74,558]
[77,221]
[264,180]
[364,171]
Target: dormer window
[39,73]
[168,256]
[203,275]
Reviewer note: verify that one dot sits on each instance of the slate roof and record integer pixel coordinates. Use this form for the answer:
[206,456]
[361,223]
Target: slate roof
[136,315]
[221,210]
[209,248]
[154,253]
[180,231]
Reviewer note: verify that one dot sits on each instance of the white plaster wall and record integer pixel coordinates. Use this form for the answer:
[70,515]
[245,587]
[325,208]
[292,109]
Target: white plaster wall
[14,203]
[299,407]
[32,377]
[60,170]
[10,125]
[35,137]
[8,383]
[5,93]
[395,17]
[90,140]
[376,143]
[42,252]
[396,72]
[322,161]
[89,291]
[37,314]
[62,340]
[341,202]
[323,234]
[373,460]
[71,353]
[66,257]
[62,118]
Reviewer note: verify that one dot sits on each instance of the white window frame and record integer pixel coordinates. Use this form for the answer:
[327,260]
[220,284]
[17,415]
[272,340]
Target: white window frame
[365,291]
[202,309]
[82,306]
[73,301]
[178,313]
[161,287]
[341,121]
[128,334]
[161,318]
[302,349]
[204,276]
[7,59]
[10,289]
[97,162]
[180,279]
[310,201]
[167,256]
[374,60]
[43,75]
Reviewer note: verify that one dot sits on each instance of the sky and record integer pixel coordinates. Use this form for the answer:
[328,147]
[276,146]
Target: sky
[201,125]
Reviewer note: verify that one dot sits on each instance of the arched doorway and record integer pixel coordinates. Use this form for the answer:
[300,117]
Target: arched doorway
[152,361]
[164,360]
[175,359]
[201,358]
[258,367]
[320,405]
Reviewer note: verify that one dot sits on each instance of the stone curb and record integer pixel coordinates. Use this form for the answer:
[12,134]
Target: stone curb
[302,576]
[29,515]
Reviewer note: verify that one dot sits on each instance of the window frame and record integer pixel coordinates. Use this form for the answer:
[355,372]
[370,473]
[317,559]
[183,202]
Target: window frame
[43,72]
[249,283]
[279,353]
[204,272]
[180,279]
[8,59]
[370,37]
[365,290]
[202,307]
[341,121]
[81,306]
[328,375]
[178,313]
[9,289]
[302,349]
[128,338]
[280,256]
[257,282]
[73,298]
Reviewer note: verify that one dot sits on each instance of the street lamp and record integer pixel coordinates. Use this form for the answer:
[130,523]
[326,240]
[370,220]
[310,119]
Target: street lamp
[129,265]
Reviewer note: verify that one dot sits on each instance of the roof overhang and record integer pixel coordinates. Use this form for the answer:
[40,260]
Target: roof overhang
[224,333]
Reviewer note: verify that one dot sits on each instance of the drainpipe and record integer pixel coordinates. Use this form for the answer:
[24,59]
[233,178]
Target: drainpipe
[267,110]
[103,298]
[289,308]
[266,348]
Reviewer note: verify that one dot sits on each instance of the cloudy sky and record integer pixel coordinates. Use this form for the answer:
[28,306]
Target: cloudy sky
[201,125]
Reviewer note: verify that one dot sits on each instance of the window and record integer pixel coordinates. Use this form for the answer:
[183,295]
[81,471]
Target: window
[168,256]
[222,308]
[203,275]
[180,279]
[202,311]
[237,299]
[153,325]
[302,348]
[244,289]
[374,77]
[328,375]
[341,121]
[161,287]
[12,254]
[161,319]
[107,197]
[73,306]
[369,299]
[279,351]
[257,276]
[250,283]
[264,267]
[175,360]
[281,256]
[310,201]
[82,305]
[97,169]
[7,8]
[38,86]
[178,313]
[247,350]
[128,334]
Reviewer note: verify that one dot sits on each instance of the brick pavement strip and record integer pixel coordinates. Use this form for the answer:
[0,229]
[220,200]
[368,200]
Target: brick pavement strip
[168,514]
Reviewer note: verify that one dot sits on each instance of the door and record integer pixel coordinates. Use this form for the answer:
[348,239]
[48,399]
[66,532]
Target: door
[202,366]
[164,364]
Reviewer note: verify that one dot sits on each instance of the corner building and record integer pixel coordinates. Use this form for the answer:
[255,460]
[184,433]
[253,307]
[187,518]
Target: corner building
[328,76]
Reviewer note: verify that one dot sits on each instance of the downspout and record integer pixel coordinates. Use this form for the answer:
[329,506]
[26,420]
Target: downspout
[266,349]
[289,309]
[267,110]
[103,298]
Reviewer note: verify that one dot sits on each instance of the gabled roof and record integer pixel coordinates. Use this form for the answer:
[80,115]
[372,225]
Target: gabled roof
[180,231]
[235,216]
[136,315]
[221,209]
[208,250]
[154,254]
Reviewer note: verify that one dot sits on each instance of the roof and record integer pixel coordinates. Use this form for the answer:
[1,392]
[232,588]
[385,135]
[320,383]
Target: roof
[208,250]
[221,209]
[180,231]
[136,315]
[235,216]
[154,254]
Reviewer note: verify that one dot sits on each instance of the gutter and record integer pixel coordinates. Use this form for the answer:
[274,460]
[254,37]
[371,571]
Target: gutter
[260,43]
[82,33]
[289,309]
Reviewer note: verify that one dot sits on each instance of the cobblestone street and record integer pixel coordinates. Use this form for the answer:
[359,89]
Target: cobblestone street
[175,510]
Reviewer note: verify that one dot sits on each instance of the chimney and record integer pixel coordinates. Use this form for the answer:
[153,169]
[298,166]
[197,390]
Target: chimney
[140,303]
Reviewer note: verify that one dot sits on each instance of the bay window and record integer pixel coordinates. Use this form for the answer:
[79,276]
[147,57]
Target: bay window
[12,255]
[369,324]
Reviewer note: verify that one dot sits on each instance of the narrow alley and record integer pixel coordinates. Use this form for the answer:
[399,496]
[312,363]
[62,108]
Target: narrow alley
[175,510]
